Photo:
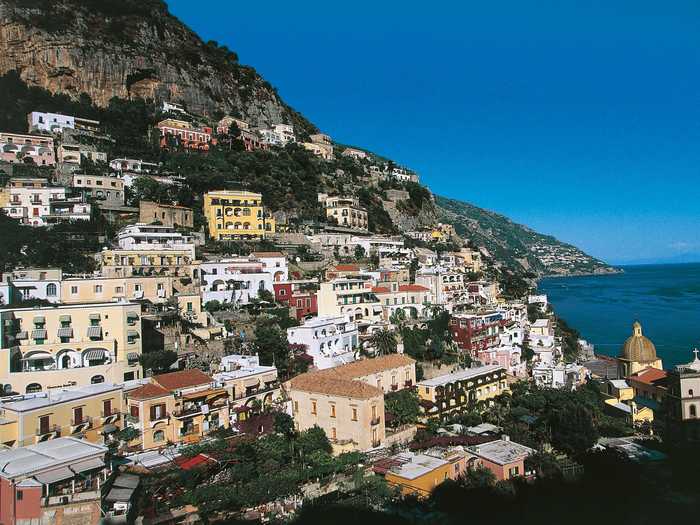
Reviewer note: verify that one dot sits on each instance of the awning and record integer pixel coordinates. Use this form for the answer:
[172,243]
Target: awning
[39,356]
[88,464]
[52,476]
[39,334]
[21,335]
[65,332]
[251,382]
[132,356]
[95,354]
[39,319]
[269,378]
[94,331]
[64,319]
[95,317]
[132,333]
[132,315]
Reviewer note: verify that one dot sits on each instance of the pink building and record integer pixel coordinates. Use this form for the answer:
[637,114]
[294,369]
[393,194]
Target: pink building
[27,149]
[52,481]
[503,457]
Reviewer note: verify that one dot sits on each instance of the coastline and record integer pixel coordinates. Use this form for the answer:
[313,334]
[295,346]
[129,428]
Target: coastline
[613,271]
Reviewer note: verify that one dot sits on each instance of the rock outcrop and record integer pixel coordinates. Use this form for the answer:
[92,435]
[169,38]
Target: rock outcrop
[130,48]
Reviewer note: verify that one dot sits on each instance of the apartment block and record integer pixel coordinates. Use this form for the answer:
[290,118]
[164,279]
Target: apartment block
[236,215]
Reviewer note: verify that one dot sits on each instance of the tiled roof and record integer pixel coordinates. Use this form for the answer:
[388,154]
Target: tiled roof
[413,288]
[343,380]
[650,375]
[148,391]
[380,289]
[347,268]
[325,384]
[182,379]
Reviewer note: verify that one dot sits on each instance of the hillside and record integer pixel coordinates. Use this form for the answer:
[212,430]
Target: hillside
[128,55]
[130,49]
[514,245]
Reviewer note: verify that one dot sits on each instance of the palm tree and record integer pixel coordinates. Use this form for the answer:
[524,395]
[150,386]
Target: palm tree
[398,318]
[384,342]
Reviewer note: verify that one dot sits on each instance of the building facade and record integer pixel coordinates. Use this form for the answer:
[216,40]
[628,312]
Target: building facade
[167,214]
[236,215]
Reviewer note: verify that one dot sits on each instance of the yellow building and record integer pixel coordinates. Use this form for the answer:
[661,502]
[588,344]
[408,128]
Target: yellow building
[178,407]
[236,215]
[461,390]
[96,289]
[637,353]
[346,211]
[125,263]
[69,345]
[92,412]
[418,474]
[620,402]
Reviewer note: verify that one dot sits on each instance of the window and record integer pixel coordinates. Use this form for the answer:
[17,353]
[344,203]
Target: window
[33,388]
[354,414]
[332,410]
[107,408]
[513,471]
[97,379]
[157,411]
[43,424]
[296,406]
[693,411]
[334,433]
[20,495]
[690,392]
[119,289]
[159,435]
[77,415]
[73,290]
[51,290]
[134,411]
[313,407]
[98,288]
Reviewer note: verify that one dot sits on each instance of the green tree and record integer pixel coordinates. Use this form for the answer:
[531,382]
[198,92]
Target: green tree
[158,361]
[572,428]
[384,342]
[312,440]
[403,406]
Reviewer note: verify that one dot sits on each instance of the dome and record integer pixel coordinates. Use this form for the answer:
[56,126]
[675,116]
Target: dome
[638,348]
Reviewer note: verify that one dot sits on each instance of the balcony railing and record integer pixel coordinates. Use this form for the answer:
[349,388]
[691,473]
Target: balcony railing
[408,383]
[375,421]
[49,429]
[375,444]
[80,421]
[191,431]
[394,387]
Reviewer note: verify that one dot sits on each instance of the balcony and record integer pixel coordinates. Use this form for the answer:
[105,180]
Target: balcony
[394,388]
[47,432]
[188,411]
[375,421]
[109,417]
[80,425]
[132,420]
[376,444]
[408,383]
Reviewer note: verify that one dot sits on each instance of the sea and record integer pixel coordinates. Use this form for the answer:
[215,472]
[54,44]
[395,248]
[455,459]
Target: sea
[665,298]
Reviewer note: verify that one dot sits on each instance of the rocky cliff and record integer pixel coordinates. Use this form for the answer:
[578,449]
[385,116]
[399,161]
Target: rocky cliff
[132,48]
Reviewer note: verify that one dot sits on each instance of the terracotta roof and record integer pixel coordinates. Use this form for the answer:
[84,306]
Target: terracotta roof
[347,268]
[267,254]
[380,289]
[325,384]
[413,288]
[182,379]
[650,375]
[343,380]
[365,367]
[148,391]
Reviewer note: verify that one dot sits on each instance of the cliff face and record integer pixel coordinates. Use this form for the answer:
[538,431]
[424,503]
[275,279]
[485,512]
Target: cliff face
[130,48]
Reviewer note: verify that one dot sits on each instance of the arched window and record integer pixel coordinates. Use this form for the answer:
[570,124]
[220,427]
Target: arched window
[159,435]
[51,290]
[693,412]
[65,361]
[690,392]
[32,388]
[97,379]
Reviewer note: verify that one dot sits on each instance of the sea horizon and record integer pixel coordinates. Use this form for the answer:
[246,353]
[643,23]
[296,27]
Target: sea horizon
[664,297]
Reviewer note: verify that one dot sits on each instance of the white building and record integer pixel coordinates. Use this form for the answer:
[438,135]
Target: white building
[133,166]
[329,340]
[31,283]
[172,107]
[278,135]
[44,205]
[235,280]
[142,236]
[50,122]
[275,263]
[377,244]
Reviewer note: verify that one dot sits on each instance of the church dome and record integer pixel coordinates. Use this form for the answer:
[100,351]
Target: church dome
[638,348]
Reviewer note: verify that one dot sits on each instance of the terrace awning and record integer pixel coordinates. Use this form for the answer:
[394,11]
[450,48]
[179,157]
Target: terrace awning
[132,356]
[65,332]
[88,464]
[39,334]
[39,356]
[64,319]
[94,331]
[251,382]
[132,333]
[132,315]
[95,317]
[95,354]
[39,319]
[52,476]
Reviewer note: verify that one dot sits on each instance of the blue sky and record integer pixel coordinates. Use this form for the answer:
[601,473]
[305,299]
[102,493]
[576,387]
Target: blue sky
[579,119]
